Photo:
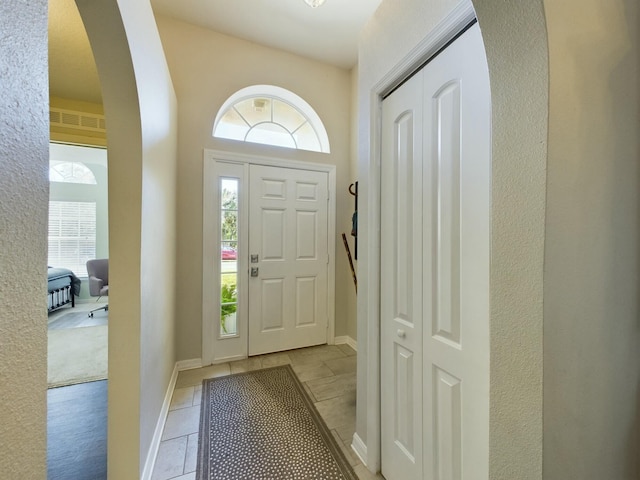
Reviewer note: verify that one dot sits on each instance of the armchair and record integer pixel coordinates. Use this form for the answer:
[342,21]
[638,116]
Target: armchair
[98,271]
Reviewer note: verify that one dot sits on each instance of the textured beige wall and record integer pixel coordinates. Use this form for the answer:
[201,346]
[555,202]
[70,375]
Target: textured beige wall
[159,116]
[592,264]
[515,41]
[208,67]
[24,195]
[352,299]
[140,109]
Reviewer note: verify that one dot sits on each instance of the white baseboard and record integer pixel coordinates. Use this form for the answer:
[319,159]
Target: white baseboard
[360,448]
[189,364]
[346,339]
[157,434]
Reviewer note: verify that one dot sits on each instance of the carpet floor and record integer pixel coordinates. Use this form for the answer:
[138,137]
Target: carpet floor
[78,318]
[77,355]
[261,425]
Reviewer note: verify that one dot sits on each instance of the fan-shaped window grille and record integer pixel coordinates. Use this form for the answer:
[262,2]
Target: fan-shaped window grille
[271,116]
[70,172]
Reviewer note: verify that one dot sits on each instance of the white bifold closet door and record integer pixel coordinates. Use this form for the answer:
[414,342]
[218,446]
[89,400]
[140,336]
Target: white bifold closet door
[435,214]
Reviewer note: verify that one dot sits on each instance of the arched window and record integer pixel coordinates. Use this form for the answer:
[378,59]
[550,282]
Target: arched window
[70,172]
[272,116]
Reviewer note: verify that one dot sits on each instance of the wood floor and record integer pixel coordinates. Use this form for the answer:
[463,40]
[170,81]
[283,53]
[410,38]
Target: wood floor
[77,414]
[77,432]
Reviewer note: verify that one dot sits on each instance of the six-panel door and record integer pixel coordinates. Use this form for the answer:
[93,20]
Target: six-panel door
[288,239]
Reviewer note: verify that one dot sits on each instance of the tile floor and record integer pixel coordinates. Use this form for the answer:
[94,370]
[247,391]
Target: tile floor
[328,373]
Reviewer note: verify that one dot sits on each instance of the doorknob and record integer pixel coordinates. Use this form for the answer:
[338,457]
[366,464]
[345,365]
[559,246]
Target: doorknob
[401,333]
[254,271]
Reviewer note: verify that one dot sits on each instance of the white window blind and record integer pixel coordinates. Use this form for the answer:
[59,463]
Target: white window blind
[72,235]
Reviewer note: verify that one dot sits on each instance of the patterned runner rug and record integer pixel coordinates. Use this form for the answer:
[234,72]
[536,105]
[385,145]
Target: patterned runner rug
[261,425]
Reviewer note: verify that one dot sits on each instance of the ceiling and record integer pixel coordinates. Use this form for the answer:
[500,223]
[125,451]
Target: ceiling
[72,69]
[328,33]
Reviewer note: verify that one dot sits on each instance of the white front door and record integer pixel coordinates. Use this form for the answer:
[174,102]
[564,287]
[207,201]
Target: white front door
[436,165]
[288,255]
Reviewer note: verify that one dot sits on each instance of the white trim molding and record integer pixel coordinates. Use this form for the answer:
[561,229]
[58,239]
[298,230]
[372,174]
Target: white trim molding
[215,160]
[360,448]
[190,364]
[346,340]
[286,96]
[152,454]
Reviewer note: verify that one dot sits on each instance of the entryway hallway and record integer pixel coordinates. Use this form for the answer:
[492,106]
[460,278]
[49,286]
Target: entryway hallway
[328,373]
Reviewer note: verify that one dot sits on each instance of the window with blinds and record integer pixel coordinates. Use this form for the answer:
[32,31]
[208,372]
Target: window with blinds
[72,235]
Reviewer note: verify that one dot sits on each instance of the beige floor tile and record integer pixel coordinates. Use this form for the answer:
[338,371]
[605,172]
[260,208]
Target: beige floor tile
[197,395]
[182,397]
[247,365]
[188,476]
[275,359]
[345,432]
[170,459]
[194,377]
[315,354]
[312,371]
[191,457]
[340,366]
[310,393]
[364,474]
[335,386]
[182,422]
[338,411]
[318,348]
[347,350]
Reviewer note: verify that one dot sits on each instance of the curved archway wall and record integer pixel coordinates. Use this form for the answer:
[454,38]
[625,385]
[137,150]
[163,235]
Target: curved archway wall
[512,31]
[141,115]
[564,229]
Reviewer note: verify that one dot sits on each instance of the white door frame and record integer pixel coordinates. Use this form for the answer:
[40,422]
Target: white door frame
[436,40]
[211,303]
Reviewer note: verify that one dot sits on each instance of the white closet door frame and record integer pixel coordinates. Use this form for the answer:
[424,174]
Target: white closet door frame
[369,300]
[219,163]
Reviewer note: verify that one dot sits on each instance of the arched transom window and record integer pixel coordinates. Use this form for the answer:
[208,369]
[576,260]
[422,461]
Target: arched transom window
[272,116]
[70,172]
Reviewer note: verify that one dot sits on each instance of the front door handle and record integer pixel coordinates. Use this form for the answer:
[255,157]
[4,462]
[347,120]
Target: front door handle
[254,271]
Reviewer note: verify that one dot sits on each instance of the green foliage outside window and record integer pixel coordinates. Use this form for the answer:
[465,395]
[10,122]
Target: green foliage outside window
[229,298]
[229,215]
